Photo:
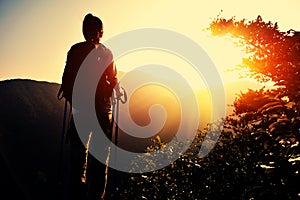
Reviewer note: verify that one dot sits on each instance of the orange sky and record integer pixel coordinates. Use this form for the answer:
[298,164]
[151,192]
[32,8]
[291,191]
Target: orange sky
[35,35]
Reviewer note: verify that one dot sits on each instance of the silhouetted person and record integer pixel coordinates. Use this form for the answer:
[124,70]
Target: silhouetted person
[95,177]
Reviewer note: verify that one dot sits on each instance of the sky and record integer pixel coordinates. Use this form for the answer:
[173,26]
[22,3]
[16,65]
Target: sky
[36,35]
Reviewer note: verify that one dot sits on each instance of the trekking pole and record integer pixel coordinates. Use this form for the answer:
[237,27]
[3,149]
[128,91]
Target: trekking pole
[123,101]
[117,122]
[109,147]
[62,141]
[117,112]
[114,132]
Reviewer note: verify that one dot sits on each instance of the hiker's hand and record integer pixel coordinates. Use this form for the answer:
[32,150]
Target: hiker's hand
[119,94]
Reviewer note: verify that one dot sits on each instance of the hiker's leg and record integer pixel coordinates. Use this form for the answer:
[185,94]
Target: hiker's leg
[105,123]
[96,169]
[112,180]
[95,178]
[76,188]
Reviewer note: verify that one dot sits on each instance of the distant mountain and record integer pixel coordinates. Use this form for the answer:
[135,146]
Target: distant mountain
[30,127]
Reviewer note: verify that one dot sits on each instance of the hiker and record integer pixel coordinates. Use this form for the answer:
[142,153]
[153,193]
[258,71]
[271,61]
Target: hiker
[95,173]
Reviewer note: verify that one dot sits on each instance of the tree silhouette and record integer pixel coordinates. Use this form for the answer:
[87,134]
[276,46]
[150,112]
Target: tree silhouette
[268,121]
[273,55]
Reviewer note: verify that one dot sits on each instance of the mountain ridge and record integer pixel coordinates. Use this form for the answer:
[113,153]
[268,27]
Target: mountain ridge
[29,135]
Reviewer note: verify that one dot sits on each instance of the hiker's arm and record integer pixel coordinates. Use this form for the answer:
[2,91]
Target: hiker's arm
[113,78]
[64,76]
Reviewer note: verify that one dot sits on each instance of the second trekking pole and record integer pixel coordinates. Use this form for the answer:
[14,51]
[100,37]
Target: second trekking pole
[115,132]
[116,112]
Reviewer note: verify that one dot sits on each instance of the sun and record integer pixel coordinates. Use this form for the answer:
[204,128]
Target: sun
[222,51]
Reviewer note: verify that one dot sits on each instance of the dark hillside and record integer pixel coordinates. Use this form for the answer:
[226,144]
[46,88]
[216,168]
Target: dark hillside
[30,128]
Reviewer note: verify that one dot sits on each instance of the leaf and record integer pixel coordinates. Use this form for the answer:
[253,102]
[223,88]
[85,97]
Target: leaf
[284,120]
[220,144]
[158,139]
[272,109]
[268,106]
[266,145]
[290,104]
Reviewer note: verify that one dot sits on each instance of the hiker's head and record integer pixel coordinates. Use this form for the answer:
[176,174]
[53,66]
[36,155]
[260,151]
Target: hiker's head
[92,28]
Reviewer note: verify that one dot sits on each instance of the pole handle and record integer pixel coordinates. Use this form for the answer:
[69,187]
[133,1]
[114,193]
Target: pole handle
[124,100]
